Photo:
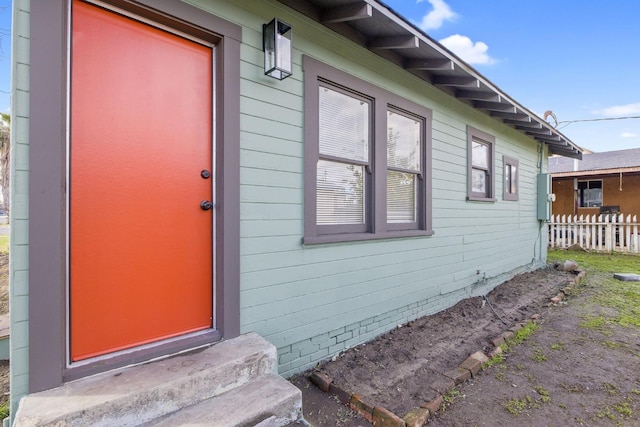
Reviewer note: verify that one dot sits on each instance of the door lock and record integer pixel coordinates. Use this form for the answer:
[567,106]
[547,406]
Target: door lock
[205,205]
[205,174]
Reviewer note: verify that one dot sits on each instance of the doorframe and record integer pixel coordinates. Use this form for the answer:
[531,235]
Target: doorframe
[49,365]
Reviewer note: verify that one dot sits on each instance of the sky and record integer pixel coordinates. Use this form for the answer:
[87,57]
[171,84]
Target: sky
[577,58]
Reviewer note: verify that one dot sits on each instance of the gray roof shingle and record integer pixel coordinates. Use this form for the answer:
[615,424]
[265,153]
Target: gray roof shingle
[597,161]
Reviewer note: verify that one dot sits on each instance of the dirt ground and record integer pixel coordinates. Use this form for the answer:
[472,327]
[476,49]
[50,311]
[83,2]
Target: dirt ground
[562,375]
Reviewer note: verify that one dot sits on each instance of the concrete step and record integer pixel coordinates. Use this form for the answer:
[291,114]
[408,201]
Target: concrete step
[138,394]
[269,401]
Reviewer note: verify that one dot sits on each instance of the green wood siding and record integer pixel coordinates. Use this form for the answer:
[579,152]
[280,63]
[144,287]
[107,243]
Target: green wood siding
[313,301]
[19,227]
[291,293]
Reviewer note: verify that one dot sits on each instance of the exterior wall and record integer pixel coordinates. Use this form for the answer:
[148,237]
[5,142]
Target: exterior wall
[19,227]
[313,301]
[628,198]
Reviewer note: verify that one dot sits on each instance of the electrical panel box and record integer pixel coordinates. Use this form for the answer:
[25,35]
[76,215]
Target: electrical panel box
[544,197]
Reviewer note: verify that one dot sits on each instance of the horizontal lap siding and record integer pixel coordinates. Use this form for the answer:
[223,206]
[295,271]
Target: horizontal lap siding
[19,260]
[294,294]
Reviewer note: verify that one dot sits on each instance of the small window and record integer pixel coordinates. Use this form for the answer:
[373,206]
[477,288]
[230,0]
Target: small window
[480,185]
[510,184]
[367,160]
[590,194]
[404,166]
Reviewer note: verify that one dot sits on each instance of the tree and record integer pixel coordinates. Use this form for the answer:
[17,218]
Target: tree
[5,148]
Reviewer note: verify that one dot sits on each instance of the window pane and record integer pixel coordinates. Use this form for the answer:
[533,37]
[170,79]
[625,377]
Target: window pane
[340,193]
[511,179]
[590,194]
[594,196]
[478,181]
[480,155]
[344,125]
[401,197]
[403,141]
[507,179]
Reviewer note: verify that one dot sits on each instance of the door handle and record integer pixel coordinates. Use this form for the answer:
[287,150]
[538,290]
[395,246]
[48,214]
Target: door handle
[205,205]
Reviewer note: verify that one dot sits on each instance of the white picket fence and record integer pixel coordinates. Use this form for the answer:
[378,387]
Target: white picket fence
[605,233]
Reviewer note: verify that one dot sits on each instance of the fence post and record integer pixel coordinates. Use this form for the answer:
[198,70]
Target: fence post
[627,234]
[593,240]
[607,233]
[600,232]
[635,235]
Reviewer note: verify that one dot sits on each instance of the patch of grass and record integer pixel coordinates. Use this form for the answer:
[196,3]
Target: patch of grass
[635,391]
[524,333]
[623,297]
[596,323]
[612,389]
[611,344]
[538,356]
[520,336]
[500,376]
[544,394]
[573,388]
[449,397]
[517,406]
[606,413]
[4,244]
[606,263]
[495,360]
[557,346]
[620,409]
[562,405]
[4,410]
[623,408]
[520,366]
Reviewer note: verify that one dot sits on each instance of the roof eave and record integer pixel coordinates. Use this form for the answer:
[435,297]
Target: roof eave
[610,171]
[383,31]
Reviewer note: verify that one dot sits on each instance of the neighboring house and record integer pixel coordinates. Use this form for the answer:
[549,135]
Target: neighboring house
[168,195]
[606,182]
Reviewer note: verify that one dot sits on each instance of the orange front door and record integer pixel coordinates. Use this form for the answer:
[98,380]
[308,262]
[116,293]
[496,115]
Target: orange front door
[141,135]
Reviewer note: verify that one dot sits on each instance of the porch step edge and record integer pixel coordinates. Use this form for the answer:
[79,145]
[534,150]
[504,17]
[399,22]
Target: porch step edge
[133,395]
[269,401]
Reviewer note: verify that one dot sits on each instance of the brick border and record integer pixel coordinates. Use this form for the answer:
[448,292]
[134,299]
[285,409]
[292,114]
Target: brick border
[445,382]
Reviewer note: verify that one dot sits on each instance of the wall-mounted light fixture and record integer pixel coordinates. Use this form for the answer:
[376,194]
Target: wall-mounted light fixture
[277,45]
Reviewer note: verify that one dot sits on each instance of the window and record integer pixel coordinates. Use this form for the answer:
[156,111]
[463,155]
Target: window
[344,140]
[590,194]
[367,160]
[510,184]
[480,181]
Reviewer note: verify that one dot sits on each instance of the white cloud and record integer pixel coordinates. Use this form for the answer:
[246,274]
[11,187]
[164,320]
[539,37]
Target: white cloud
[435,18]
[628,135]
[620,110]
[465,48]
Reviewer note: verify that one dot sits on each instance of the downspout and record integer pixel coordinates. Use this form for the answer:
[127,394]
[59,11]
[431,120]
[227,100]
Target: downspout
[538,242]
[541,222]
[576,194]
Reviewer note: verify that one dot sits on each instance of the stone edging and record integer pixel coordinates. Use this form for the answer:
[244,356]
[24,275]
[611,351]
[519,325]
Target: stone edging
[417,417]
